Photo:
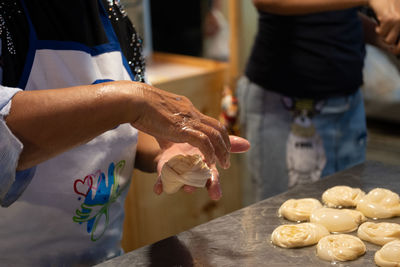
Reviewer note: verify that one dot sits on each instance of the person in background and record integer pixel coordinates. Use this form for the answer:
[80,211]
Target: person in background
[194,28]
[300,103]
[75,118]
[177,26]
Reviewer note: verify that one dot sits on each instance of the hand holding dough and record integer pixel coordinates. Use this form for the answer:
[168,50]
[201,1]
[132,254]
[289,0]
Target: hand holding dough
[184,170]
[342,196]
[389,255]
[338,220]
[299,209]
[379,233]
[380,203]
[340,248]
[298,235]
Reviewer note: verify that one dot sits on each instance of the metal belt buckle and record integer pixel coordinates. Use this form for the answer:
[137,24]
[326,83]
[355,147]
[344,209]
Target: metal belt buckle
[303,106]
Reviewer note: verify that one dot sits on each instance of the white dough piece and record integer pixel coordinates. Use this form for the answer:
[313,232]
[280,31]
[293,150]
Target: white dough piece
[298,235]
[380,203]
[379,233]
[338,220]
[299,210]
[184,169]
[342,196]
[389,255]
[340,247]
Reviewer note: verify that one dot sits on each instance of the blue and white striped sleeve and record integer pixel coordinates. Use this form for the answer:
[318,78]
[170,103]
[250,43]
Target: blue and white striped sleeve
[12,183]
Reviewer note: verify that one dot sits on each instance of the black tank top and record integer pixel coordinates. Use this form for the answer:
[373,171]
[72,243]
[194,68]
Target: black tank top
[318,55]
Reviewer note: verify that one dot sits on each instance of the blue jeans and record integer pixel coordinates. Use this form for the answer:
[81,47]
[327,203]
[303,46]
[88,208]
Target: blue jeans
[265,122]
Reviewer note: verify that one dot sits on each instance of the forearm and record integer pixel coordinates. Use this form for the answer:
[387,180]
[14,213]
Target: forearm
[299,7]
[49,122]
[147,153]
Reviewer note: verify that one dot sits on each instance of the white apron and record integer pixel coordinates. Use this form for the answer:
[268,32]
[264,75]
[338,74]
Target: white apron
[72,211]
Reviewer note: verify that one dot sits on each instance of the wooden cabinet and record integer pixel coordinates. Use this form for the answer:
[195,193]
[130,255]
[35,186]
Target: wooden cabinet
[149,217]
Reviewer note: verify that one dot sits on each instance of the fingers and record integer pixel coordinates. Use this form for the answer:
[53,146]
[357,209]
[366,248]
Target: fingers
[396,49]
[213,185]
[239,144]
[189,189]
[200,140]
[210,142]
[157,188]
[198,128]
[219,127]
[383,29]
[221,147]
[388,15]
[174,118]
[393,35]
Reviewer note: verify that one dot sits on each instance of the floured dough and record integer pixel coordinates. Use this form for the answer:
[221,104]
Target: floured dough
[380,203]
[340,247]
[379,233]
[298,235]
[299,209]
[389,255]
[184,169]
[342,196]
[338,220]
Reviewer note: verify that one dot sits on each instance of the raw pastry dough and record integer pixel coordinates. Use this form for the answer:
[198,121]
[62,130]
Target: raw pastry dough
[340,247]
[299,209]
[379,233]
[342,196]
[389,255]
[380,203]
[298,235]
[338,220]
[184,169]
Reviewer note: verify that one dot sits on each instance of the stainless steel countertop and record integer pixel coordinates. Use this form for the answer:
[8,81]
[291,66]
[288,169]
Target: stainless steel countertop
[242,238]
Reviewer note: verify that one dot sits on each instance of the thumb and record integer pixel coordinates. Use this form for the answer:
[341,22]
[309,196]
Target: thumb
[238,144]
[158,188]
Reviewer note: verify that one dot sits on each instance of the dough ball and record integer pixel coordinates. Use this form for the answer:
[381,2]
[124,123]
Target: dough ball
[340,247]
[342,196]
[298,235]
[380,203]
[338,220]
[379,233]
[184,169]
[299,209]
[389,255]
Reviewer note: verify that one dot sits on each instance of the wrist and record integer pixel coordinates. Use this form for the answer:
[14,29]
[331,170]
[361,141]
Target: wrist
[129,100]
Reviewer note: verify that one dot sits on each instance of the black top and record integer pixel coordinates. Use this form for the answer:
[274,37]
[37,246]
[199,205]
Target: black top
[318,55]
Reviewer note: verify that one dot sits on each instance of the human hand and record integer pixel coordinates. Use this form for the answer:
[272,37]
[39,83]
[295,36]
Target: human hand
[238,145]
[173,118]
[388,15]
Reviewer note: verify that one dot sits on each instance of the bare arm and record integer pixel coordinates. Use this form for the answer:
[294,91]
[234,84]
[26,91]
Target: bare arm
[147,153]
[49,122]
